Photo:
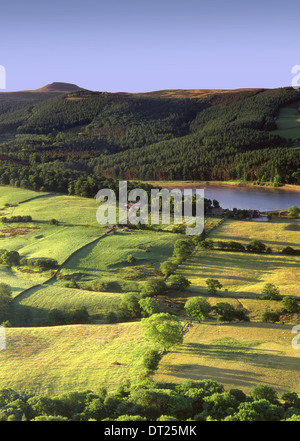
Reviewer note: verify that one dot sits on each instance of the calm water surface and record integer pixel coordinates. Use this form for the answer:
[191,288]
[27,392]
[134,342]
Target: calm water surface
[247,197]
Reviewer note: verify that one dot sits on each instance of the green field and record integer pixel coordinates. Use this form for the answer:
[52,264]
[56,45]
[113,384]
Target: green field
[72,210]
[236,355]
[244,274]
[13,195]
[288,122]
[51,296]
[107,259]
[65,358]
[56,359]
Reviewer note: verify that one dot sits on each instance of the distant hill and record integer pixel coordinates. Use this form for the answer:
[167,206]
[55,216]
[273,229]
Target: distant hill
[58,88]
[46,92]
[213,135]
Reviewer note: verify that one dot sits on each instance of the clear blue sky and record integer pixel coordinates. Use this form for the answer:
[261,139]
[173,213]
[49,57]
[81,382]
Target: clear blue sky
[135,46]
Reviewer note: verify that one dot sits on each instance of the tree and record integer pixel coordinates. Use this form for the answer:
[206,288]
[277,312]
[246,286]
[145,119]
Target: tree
[269,292]
[130,302]
[198,308]
[213,285]
[290,304]
[5,300]
[131,259]
[9,258]
[207,244]
[149,306]
[167,268]
[294,212]
[163,329]
[263,392]
[270,316]
[225,311]
[183,248]
[151,359]
[153,287]
[179,282]
[256,246]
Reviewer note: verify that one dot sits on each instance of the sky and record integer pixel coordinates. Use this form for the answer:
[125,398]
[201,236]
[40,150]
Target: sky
[138,46]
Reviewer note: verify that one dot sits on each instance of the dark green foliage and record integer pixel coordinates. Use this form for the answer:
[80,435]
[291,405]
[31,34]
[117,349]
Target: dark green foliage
[151,359]
[9,258]
[130,303]
[68,317]
[290,304]
[197,308]
[228,313]
[16,219]
[290,251]
[149,306]
[179,282]
[213,285]
[263,392]
[153,287]
[207,244]
[68,143]
[183,248]
[231,246]
[131,259]
[5,301]
[270,316]
[39,263]
[269,292]
[256,246]
[148,400]
[112,317]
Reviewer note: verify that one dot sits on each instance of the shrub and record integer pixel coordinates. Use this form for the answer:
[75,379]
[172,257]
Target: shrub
[269,292]
[270,316]
[131,259]
[99,285]
[198,308]
[290,304]
[293,212]
[112,317]
[256,246]
[179,282]
[290,251]
[263,392]
[167,268]
[213,285]
[149,306]
[153,287]
[151,360]
[53,222]
[9,258]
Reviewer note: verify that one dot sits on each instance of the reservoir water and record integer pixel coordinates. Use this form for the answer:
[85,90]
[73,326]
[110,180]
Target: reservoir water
[244,197]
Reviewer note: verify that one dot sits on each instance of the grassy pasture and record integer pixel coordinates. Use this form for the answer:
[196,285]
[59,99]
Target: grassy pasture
[42,241]
[52,296]
[288,122]
[58,359]
[72,210]
[236,355]
[242,273]
[245,273]
[107,259]
[13,195]
[277,234]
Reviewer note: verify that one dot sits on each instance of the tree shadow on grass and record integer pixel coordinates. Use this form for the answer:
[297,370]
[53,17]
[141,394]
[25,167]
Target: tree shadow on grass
[262,358]
[240,354]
